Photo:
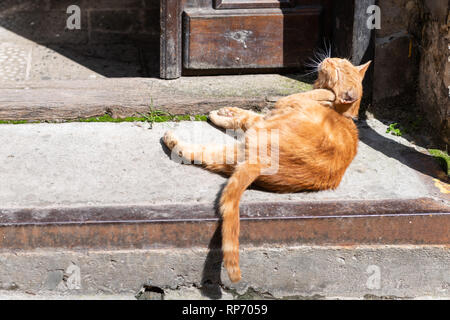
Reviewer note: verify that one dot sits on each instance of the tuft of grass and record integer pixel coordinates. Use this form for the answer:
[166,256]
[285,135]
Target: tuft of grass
[155,115]
[394,129]
[443,158]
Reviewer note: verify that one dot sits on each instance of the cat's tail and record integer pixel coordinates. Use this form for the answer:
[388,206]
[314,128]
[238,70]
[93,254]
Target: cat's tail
[242,177]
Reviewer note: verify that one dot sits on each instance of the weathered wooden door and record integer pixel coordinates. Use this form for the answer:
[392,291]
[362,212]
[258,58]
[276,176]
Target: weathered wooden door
[238,36]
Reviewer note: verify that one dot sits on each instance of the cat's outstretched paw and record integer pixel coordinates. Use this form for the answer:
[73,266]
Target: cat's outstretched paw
[224,117]
[228,112]
[170,140]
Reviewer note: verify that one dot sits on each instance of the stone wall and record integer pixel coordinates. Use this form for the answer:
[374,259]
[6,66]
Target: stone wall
[123,30]
[411,60]
[434,73]
[396,54]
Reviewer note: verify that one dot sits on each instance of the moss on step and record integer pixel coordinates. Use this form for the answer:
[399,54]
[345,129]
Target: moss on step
[443,158]
[16,121]
[145,118]
[107,118]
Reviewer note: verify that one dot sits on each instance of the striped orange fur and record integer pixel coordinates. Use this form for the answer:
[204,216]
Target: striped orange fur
[317,141]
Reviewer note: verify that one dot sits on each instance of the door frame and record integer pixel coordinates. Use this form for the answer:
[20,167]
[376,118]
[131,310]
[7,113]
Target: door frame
[346,42]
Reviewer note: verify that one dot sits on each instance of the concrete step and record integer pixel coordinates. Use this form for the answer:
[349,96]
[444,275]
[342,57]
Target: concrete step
[92,208]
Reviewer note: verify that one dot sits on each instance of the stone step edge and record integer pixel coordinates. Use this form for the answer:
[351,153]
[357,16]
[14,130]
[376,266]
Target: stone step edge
[413,221]
[71,100]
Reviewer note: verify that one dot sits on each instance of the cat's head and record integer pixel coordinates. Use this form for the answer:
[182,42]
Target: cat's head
[345,80]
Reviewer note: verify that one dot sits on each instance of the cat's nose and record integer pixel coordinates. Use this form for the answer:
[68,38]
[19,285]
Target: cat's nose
[328,61]
[323,63]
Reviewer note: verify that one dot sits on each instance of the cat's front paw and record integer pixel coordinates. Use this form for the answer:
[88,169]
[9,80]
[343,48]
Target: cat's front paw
[223,117]
[170,140]
[229,112]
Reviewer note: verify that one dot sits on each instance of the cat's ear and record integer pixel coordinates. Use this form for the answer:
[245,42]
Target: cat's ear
[348,97]
[363,68]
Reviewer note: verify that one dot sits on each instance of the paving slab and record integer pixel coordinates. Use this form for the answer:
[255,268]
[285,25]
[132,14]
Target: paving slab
[108,164]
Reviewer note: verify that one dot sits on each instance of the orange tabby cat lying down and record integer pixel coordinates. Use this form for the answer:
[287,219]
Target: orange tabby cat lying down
[317,141]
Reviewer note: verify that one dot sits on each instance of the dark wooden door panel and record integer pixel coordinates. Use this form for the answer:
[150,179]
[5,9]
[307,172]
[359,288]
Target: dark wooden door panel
[265,38]
[246,36]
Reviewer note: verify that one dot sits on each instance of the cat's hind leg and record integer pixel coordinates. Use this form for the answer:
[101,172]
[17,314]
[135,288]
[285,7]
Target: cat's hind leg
[234,118]
[215,157]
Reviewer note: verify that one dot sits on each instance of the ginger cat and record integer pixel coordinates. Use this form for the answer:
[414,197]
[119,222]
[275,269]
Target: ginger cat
[316,142]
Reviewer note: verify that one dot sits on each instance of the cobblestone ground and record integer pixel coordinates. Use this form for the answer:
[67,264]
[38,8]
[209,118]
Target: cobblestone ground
[14,62]
[22,59]
[113,39]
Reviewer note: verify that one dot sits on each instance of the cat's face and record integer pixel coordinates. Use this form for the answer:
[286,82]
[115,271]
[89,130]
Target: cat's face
[345,80]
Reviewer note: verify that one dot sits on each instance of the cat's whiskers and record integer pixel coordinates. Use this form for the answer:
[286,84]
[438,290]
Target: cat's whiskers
[319,55]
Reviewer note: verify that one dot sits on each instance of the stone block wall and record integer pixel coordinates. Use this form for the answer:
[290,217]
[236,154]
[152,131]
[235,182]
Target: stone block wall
[396,50]
[412,59]
[434,70]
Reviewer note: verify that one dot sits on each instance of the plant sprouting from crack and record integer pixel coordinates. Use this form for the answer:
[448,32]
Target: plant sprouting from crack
[154,115]
[394,129]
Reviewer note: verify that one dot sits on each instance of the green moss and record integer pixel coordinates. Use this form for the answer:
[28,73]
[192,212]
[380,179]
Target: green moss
[104,118]
[107,118]
[152,116]
[13,121]
[442,157]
